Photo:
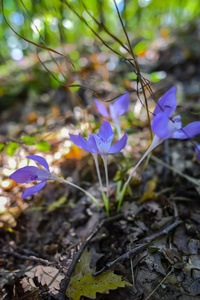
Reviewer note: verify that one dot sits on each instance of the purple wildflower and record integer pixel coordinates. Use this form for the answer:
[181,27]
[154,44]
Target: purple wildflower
[164,127]
[31,173]
[116,110]
[100,143]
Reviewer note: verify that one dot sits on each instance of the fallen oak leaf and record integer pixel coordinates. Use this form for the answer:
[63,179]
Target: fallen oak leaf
[83,267]
[46,275]
[88,285]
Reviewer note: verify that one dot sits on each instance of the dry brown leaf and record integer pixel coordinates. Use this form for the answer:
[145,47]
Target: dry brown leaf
[28,285]
[75,153]
[46,275]
[192,275]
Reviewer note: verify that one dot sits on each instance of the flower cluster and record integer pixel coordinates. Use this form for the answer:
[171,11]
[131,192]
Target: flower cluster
[164,126]
[100,143]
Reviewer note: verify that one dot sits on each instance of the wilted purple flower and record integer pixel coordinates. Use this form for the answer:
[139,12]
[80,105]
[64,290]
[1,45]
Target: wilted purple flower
[116,110]
[164,127]
[100,143]
[31,173]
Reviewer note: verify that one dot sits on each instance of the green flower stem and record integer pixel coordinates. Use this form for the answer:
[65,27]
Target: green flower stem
[106,203]
[106,197]
[98,171]
[105,158]
[77,187]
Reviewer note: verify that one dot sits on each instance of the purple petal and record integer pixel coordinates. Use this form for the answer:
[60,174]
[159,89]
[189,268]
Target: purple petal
[75,139]
[34,189]
[30,173]
[188,131]
[40,160]
[120,107]
[103,145]
[92,143]
[24,175]
[160,125]
[197,148]
[102,109]
[105,130]
[118,146]
[86,146]
[167,103]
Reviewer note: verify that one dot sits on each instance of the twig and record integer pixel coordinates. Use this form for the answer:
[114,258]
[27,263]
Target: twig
[32,258]
[146,242]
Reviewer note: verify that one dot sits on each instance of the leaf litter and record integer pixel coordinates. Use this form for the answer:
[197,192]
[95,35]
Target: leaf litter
[52,226]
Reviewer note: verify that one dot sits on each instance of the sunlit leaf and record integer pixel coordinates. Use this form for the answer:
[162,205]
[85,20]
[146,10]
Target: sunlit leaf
[157,76]
[11,148]
[76,88]
[88,286]
[140,48]
[43,146]
[2,146]
[28,140]
[132,76]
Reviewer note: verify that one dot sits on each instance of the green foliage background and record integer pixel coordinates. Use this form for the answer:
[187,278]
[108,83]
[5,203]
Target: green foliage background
[143,18]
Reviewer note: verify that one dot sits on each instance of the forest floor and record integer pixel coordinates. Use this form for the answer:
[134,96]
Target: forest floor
[60,234]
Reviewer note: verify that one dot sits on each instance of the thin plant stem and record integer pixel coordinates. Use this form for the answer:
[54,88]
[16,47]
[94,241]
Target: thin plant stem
[105,199]
[98,171]
[189,178]
[104,157]
[154,144]
[77,187]
[136,66]
[118,127]
[172,269]
[132,272]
